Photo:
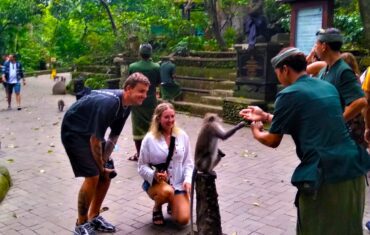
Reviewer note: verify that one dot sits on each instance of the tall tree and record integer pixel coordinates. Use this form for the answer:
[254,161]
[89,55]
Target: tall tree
[106,7]
[365,16]
[211,6]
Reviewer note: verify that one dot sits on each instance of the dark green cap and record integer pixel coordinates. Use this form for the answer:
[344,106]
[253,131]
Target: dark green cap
[329,35]
[283,55]
[145,49]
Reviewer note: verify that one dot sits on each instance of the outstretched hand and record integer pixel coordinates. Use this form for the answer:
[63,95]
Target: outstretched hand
[253,113]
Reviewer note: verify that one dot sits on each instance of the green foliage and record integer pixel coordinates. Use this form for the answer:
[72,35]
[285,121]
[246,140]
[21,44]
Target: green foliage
[95,82]
[278,13]
[351,27]
[230,36]
[197,43]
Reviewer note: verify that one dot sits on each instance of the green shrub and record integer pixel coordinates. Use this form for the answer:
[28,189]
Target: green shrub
[230,36]
[95,83]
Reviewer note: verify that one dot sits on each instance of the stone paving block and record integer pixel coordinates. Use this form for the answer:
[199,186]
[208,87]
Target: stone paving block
[27,232]
[270,230]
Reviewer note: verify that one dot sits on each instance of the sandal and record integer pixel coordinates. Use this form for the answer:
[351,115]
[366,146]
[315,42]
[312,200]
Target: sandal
[158,219]
[133,158]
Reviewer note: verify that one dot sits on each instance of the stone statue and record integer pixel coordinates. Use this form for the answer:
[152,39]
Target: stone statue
[255,23]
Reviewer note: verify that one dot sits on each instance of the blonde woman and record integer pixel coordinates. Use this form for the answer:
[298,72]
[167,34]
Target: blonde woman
[173,185]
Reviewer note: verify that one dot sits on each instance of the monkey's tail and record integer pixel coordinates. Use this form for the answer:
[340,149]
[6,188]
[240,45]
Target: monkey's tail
[192,200]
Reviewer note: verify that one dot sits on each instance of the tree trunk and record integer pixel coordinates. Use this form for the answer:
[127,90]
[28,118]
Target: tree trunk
[208,211]
[365,16]
[212,11]
[105,5]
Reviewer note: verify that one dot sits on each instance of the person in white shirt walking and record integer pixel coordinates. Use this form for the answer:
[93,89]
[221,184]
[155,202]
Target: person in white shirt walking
[170,180]
[12,73]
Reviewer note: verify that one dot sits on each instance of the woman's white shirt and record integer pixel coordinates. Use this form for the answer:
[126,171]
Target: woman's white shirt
[154,151]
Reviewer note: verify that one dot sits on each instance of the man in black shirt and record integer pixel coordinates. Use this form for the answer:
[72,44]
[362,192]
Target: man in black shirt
[83,130]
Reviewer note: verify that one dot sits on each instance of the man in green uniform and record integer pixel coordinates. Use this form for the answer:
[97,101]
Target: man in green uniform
[340,74]
[331,175]
[170,89]
[141,116]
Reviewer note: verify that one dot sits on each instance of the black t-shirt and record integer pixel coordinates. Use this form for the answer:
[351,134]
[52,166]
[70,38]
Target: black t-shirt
[94,113]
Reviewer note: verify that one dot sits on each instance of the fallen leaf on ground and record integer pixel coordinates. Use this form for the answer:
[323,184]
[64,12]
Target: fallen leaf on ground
[105,208]
[10,160]
[50,151]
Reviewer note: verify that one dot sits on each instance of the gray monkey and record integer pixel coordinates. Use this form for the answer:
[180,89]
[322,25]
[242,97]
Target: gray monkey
[60,105]
[207,154]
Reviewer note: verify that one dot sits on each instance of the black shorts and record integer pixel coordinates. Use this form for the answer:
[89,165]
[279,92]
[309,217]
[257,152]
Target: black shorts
[78,150]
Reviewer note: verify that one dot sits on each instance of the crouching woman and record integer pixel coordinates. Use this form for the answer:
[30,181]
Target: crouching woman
[166,166]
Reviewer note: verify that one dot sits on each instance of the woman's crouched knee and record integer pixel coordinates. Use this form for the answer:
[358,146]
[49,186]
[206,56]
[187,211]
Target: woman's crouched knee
[182,220]
[162,191]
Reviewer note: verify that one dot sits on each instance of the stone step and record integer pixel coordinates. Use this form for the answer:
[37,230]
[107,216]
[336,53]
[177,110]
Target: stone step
[191,96]
[204,83]
[222,93]
[206,62]
[197,109]
[196,71]
[245,101]
[213,54]
[212,100]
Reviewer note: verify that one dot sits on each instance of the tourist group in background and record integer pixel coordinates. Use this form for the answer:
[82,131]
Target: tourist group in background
[322,108]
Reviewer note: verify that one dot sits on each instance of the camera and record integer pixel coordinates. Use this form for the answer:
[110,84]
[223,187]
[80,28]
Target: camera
[110,165]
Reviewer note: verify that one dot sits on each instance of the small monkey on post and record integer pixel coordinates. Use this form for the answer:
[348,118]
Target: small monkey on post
[207,154]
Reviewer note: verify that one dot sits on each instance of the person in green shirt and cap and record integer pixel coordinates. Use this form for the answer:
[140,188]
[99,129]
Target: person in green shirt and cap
[330,177]
[339,73]
[170,89]
[141,116]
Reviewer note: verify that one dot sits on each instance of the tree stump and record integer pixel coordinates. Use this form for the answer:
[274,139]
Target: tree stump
[208,211]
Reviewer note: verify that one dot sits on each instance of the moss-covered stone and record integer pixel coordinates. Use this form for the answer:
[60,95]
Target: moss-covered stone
[5,182]
[232,106]
[213,54]
[193,71]
[206,62]
[365,62]
[98,69]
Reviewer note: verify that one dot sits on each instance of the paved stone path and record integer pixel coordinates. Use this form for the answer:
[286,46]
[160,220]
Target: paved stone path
[253,182]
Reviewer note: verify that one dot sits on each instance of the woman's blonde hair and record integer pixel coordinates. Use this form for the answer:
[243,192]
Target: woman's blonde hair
[155,126]
[350,59]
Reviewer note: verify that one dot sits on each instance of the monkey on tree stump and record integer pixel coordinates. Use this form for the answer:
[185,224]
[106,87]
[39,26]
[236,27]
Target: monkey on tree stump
[207,156]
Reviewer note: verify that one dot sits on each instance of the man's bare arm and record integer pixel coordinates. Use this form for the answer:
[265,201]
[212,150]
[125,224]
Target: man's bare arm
[354,108]
[97,152]
[109,146]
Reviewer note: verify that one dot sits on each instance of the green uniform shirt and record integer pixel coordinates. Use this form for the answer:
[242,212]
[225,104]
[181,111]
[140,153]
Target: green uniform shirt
[150,70]
[167,71]
[310,111]
[344,79]
[141,116]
